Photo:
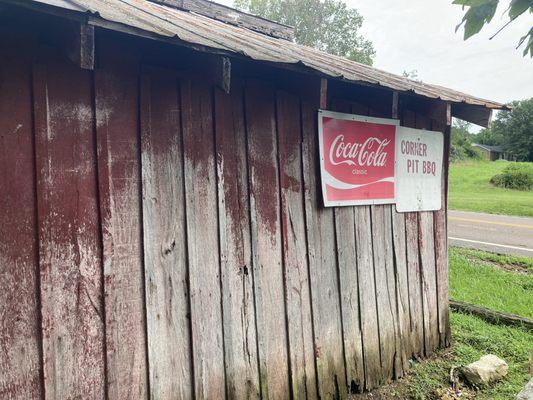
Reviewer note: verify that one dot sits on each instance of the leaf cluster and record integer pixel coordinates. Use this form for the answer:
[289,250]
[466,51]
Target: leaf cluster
[462,139]
[481,12]
[513,130]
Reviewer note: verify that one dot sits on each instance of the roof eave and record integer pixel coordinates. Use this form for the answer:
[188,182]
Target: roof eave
[469,108]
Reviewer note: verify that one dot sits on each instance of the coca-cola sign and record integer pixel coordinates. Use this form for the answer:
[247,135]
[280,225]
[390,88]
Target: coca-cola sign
[357,157]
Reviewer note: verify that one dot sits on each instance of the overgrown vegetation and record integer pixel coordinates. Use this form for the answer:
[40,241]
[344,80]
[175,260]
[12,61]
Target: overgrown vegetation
[518,176]
[461,147]
[473,338]
[471,190]
[328,25]
[481,12]
[481,278]
[512,130]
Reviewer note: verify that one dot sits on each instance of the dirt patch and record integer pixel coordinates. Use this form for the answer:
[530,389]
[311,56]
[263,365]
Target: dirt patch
[517,268]
[408,388]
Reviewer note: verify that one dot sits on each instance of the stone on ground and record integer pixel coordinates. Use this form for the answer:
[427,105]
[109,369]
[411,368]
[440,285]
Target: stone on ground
[527,392]
[487,369]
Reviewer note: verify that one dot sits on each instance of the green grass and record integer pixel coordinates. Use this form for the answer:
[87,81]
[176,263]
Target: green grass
[470,190]
[482,278]
[476,278]
[479,277]
[512,262]
[473,338]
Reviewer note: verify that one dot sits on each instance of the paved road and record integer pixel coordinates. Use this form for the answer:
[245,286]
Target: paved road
[496,233]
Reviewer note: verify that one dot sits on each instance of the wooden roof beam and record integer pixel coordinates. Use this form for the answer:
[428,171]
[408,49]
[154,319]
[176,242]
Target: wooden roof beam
[478,115]
[232,16]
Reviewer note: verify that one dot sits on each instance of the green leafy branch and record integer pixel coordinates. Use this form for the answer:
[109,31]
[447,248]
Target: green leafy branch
[481,12]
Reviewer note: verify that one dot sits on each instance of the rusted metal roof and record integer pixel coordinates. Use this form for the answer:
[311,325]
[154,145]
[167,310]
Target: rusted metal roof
[213,35]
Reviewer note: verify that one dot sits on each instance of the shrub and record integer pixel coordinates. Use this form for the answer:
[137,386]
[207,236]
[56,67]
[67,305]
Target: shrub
[517,176]
[463,152]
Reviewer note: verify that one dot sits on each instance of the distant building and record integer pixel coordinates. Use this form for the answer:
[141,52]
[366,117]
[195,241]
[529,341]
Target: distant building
[491,153]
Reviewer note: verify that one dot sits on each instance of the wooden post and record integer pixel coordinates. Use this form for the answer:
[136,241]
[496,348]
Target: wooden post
[395,96]
[225,79]
[214,69]
[446,158]
[80,46]
[323,93]
[443,123]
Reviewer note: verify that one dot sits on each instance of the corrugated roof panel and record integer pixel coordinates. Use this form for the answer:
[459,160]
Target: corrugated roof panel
[200,30]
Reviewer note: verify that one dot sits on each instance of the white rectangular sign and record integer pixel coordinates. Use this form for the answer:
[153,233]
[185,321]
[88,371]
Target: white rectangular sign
[419,156]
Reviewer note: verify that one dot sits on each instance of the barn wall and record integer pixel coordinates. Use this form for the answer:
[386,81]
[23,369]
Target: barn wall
[163,239]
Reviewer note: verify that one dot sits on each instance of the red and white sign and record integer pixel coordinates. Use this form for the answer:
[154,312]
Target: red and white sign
[368,160]
[357,159]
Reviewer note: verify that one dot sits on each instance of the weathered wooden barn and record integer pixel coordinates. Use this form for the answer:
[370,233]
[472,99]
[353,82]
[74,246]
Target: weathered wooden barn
[490,153]
[162,233]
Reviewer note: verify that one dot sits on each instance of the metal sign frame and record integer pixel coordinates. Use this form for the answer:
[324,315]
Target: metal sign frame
[347,117]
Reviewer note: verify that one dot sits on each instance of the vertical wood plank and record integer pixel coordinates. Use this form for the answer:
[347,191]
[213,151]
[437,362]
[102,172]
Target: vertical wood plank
[385,287]
[348,281]
[240,339]
[116,100]
[441,234]
[427,267]
[441,260]
[322,268]
[402,286]
[300,324]
[350,303]
[401,273]
[202,240]
[20,344]
[429,287]
[415,290]
[70,254]
[266,241]
[413,266]
[167,294]
[367,296]
[384,262]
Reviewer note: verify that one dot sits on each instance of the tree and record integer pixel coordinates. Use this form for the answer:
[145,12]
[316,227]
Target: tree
[328,25]
[515,127]
[413,75]
[480,12]
[489,137]
[461,146]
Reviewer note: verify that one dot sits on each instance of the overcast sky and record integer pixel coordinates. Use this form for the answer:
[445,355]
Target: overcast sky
[420,35]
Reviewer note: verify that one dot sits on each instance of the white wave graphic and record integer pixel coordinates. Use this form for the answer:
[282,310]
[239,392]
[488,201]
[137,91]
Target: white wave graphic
[335,183]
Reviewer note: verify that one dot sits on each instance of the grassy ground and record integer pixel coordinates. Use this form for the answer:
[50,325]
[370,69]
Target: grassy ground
[471,190]
[489,280]
[473,338]
[484,279]
[508,262]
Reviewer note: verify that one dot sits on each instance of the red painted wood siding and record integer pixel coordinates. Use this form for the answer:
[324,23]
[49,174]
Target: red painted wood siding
[162,239]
